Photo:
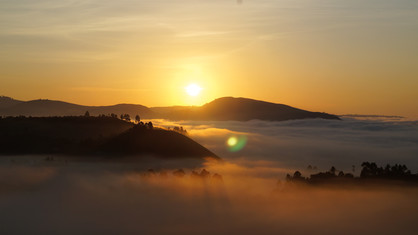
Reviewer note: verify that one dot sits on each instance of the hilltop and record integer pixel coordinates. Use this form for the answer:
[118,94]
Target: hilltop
[243,109]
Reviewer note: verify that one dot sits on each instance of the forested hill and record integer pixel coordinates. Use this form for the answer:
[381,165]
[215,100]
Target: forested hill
[94,136]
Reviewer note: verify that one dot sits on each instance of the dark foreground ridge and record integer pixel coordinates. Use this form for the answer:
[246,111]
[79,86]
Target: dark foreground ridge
[94,136]
[222,109]
[370,174]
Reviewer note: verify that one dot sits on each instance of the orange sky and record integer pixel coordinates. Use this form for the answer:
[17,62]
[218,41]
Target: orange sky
[332,56]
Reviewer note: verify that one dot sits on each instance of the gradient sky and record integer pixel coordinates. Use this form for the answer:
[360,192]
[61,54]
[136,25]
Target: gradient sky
[337,56]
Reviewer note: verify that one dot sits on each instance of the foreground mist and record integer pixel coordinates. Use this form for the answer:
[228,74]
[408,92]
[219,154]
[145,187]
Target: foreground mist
[71,197]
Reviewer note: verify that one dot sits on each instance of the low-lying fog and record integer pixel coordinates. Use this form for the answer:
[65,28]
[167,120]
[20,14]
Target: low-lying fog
[70,196]
[321,143]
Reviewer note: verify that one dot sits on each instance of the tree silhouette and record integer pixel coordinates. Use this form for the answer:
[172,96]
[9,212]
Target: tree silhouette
[180,130]
[288,177]
[332,170]
[179,173]
[369,171]
[87,114]
[204,173]
[137,118]
[125,117]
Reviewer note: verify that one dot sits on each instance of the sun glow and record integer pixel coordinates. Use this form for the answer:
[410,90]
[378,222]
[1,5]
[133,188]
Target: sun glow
[193,89]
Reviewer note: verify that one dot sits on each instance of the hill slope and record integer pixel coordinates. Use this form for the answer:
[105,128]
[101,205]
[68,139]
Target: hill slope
[100,136]
[156,141]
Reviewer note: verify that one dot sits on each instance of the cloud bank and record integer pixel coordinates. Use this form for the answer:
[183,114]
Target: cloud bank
[323,143]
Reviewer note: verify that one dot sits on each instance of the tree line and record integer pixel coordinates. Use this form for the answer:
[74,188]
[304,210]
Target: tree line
[123,116]
[370,170]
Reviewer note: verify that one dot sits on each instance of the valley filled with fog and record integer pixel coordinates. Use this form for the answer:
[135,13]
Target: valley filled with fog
[68,195]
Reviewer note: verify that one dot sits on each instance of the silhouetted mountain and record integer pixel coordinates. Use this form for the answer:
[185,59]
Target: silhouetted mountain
[243,109]
[98,136]
[44,108]
[6,102]
[222,109]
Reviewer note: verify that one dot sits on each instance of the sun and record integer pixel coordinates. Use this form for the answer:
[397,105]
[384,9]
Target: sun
[193,89]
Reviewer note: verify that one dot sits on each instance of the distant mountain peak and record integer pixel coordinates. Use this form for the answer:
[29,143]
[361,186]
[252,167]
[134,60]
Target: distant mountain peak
[232,100]
[245,109]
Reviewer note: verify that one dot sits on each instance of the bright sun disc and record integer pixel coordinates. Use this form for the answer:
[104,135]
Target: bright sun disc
[193,89]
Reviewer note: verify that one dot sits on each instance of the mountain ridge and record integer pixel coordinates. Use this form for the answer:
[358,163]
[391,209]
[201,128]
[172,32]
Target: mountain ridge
[221,109]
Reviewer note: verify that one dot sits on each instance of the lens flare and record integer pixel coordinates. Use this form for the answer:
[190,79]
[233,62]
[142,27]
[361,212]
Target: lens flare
[236,143]
[232,141]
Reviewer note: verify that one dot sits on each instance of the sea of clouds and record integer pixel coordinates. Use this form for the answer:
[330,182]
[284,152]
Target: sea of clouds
[317,142]
[72,196]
